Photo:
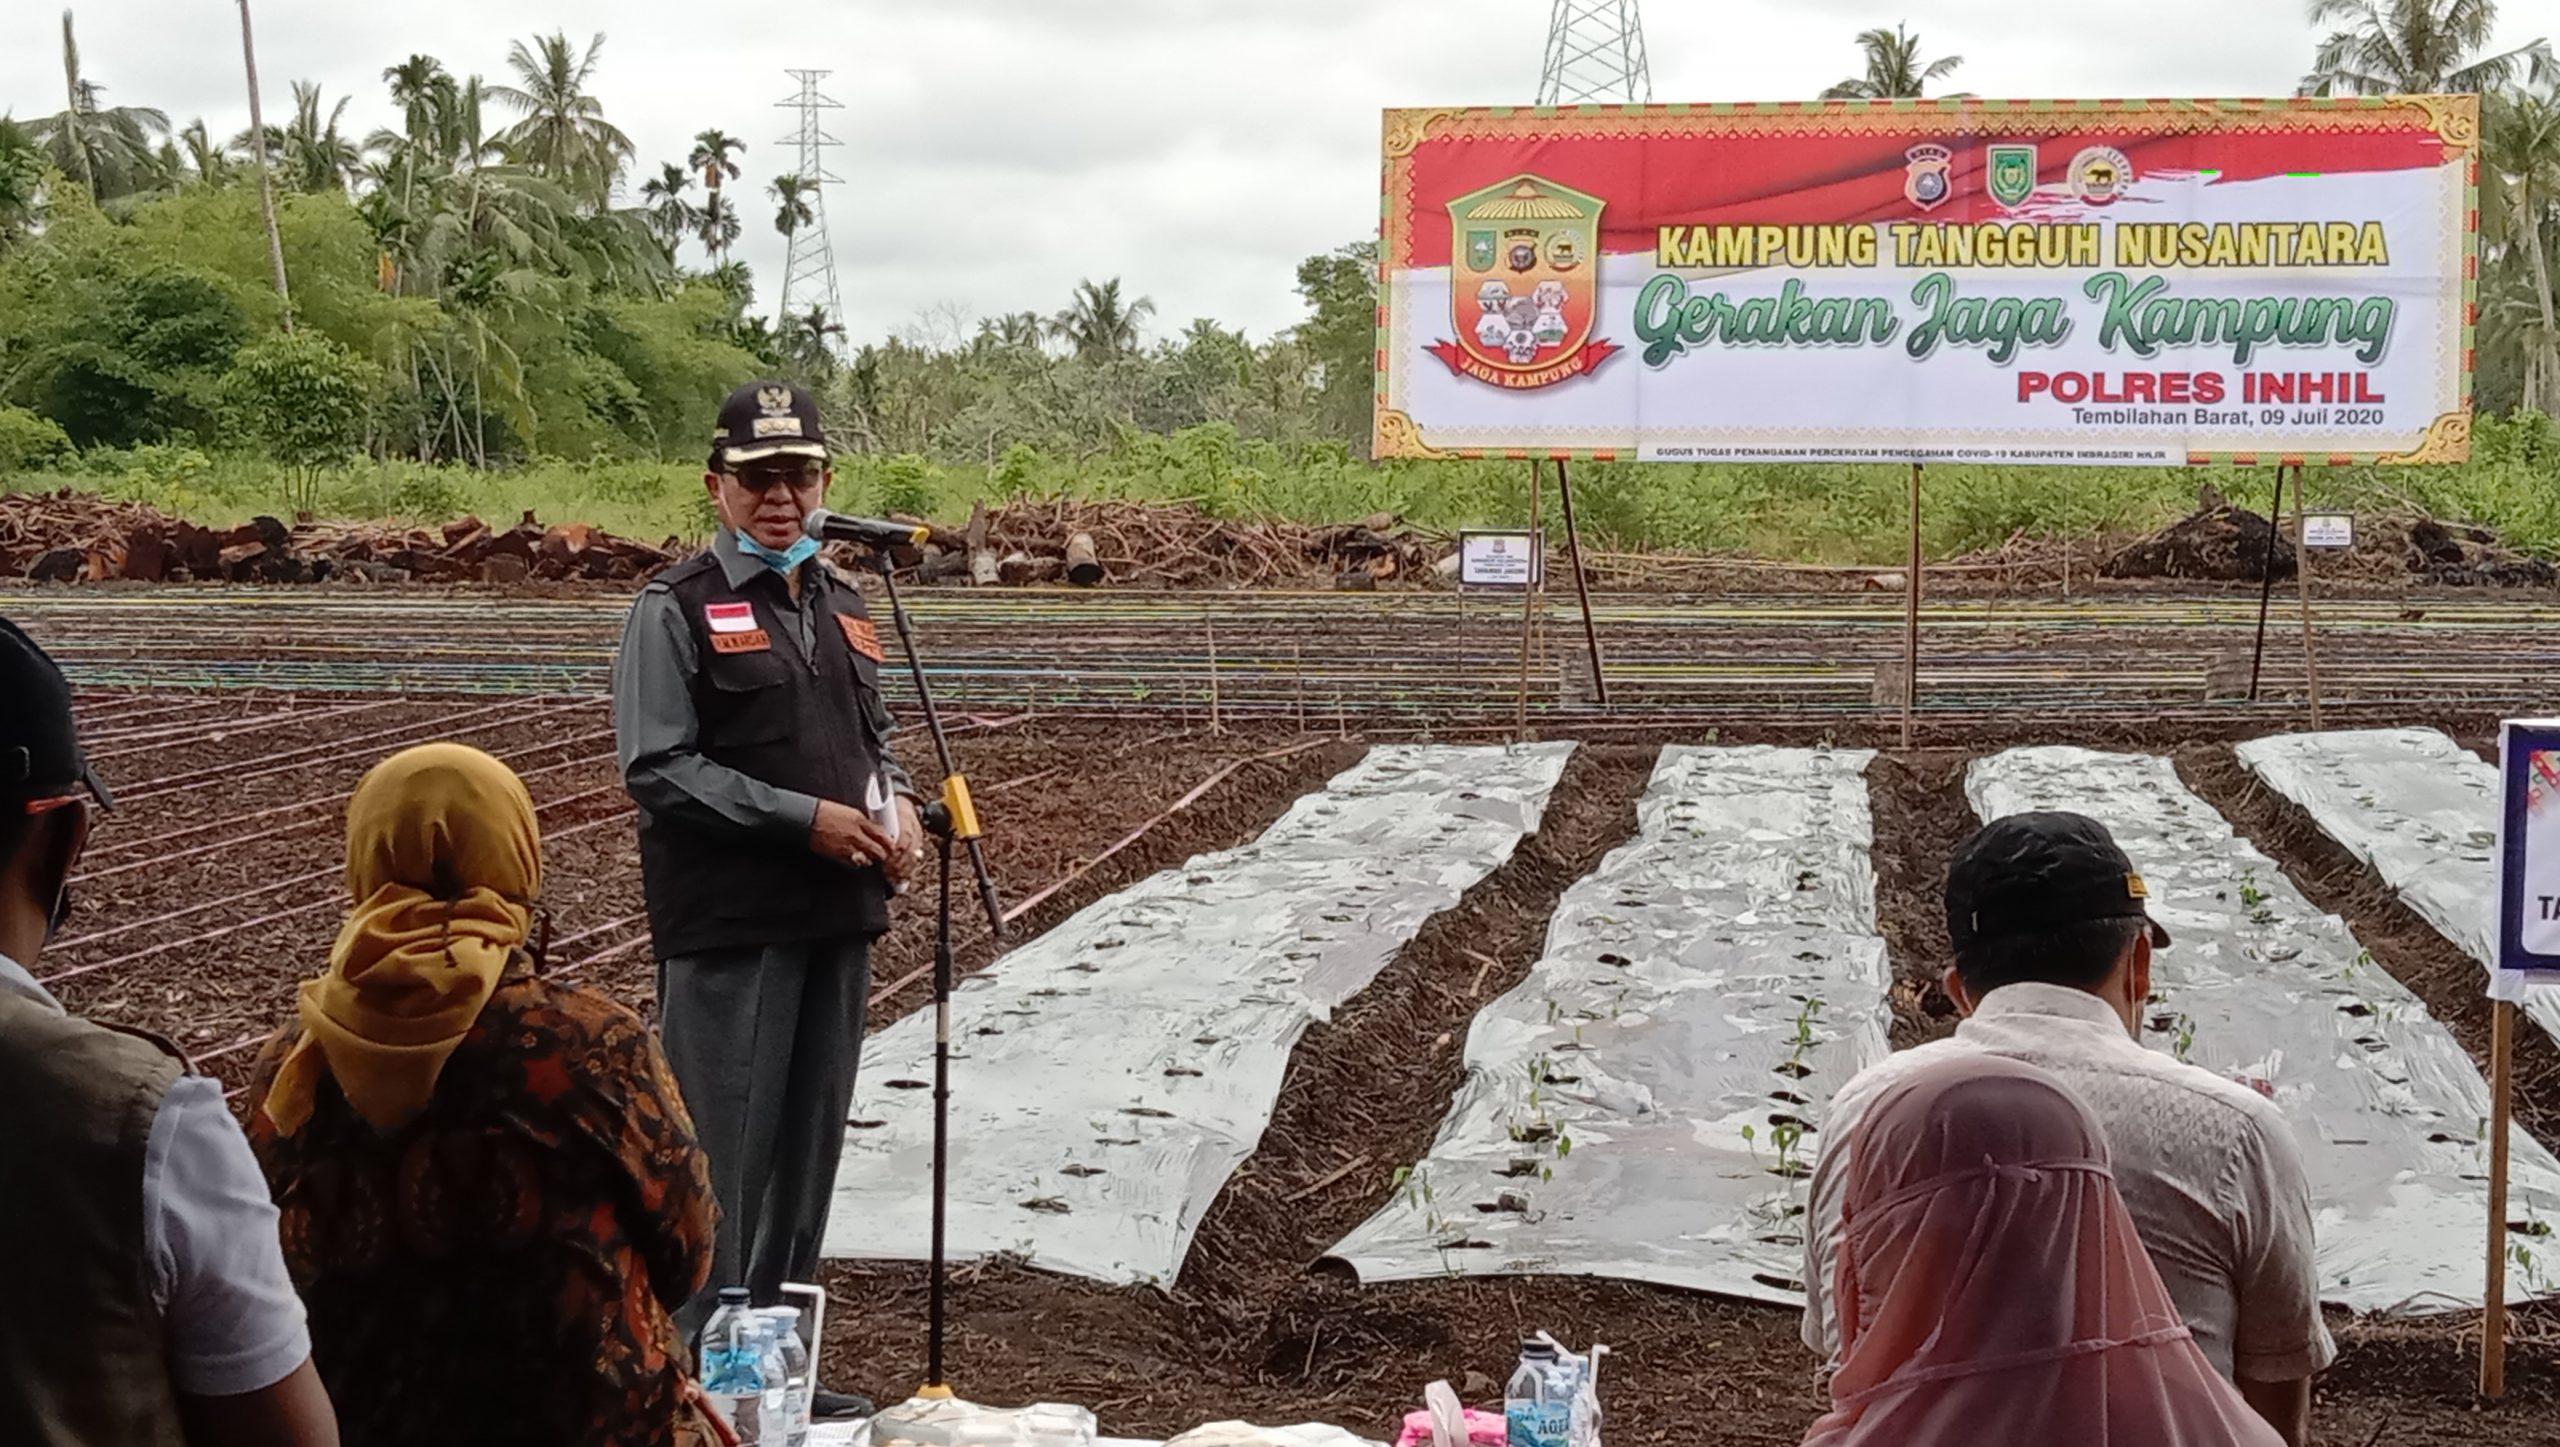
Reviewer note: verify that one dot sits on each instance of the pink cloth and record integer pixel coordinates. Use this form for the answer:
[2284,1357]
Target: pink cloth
[1991,1289]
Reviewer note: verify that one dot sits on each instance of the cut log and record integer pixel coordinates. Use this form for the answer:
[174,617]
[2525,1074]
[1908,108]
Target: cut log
[942,565]
[1084,564]
[505,568]
[59,565]
[1020,569]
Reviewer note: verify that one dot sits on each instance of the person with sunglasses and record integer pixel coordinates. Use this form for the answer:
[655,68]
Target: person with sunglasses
[774,829]
[147,1301]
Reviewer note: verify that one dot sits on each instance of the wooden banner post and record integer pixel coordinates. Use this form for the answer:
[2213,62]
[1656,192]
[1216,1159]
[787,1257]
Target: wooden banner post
[2267,582]
[1581,585]
[2493,1317]
[1911,617]
[1529,593]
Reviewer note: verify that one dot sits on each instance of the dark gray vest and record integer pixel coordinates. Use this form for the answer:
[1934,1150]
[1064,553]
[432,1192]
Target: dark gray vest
[812,725]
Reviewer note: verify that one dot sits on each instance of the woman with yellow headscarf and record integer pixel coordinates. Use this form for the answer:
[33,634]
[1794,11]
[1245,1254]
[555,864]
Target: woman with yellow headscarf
[491,1193]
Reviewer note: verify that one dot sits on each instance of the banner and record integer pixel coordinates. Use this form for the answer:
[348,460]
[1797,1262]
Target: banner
[2051,282]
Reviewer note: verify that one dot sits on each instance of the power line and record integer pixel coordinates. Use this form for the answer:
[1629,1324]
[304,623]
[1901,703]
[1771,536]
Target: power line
[809,272]
[1595,55]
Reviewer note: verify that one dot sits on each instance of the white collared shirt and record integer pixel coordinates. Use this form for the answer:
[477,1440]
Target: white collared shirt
[2206,1166]
[209,1234]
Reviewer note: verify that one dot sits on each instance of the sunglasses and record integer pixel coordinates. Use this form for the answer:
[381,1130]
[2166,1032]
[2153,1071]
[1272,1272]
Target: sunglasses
[766,479]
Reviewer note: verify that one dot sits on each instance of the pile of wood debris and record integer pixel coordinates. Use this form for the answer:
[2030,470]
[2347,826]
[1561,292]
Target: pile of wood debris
[76,537]
[1158,545]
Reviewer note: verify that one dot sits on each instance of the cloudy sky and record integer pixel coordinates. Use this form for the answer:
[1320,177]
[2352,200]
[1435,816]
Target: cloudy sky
[998,150]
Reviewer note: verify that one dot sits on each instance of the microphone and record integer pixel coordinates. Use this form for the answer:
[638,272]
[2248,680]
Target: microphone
[833,527]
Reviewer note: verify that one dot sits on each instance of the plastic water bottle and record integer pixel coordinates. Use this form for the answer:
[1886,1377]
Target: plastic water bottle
[784,1323]
[733,1374]
[1537,1408]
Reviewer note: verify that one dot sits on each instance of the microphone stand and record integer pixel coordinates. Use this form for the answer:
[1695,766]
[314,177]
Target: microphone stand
[952,818]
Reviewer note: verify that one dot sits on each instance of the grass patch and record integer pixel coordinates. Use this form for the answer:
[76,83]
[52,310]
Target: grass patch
[1822,514]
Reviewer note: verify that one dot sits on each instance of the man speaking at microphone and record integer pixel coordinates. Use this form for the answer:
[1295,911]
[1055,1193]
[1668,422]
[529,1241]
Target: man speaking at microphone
[774,827]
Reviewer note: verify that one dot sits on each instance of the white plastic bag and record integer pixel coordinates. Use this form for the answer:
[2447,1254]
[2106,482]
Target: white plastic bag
[1239,1434]
[950,1422]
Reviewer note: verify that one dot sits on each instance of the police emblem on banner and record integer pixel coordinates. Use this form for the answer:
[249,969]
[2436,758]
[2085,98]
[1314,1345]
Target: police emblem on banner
[2012,174]
[2101,175]
[1523,294]
[1925,182]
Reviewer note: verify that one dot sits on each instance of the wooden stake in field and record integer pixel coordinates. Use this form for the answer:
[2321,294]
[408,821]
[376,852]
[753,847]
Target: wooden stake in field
[2493,1317]
[1529,594]
[1911,618]
[2267,583]
[1581,585]
[2302,581]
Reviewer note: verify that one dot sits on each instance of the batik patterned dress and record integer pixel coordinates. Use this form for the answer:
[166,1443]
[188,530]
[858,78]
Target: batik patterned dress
[500,1270]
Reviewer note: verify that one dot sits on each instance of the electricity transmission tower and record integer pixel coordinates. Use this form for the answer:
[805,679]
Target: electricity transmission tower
[1595,55]
[809,273]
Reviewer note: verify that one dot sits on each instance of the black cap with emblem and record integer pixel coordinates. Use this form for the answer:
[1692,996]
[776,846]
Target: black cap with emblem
[40,758]
[2034,873]
[767,419]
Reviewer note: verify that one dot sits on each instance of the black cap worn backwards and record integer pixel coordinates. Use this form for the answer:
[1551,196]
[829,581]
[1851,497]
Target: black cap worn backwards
[767,419]
[40,758]
[2032,873]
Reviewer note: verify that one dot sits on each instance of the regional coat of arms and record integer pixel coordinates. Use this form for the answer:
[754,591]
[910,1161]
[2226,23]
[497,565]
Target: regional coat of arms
[1524,284]
[2012,172]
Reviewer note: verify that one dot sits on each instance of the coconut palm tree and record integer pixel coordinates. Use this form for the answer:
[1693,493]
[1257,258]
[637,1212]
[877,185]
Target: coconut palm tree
[2520,212]
[1098,325]
[208,164]
[110,151]
[564,135]
[811,337]
[792,194]
[1894,71]
[2415,47]
[671,217]
[712,153]
[419,87]
[317,156]
[716,224]
[266,186]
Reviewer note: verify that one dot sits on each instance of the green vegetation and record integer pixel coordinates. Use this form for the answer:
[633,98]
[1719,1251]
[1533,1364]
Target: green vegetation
[496,307]
[1821,514]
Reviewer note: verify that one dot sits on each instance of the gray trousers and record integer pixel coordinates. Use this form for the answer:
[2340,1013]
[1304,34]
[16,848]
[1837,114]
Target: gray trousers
[764,1041]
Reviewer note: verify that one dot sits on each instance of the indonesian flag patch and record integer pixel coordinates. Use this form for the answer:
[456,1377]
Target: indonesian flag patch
[730,617]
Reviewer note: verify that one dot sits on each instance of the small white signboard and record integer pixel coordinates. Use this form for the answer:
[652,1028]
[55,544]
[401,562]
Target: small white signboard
[2335,531]
[1501,560]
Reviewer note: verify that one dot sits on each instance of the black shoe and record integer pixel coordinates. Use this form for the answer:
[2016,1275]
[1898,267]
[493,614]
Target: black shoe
[828,1406]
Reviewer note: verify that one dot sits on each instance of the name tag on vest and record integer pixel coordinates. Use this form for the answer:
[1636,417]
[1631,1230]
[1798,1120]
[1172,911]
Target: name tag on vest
[863,634]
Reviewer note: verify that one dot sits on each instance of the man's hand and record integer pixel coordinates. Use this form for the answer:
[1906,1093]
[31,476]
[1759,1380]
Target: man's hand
[846,835]
[2285,1405]
[907,855]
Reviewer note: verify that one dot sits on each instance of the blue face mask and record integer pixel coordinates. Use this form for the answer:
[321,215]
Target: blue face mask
[787,561]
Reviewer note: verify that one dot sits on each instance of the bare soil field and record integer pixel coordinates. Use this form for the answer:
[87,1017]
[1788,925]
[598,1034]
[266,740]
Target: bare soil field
[214,889]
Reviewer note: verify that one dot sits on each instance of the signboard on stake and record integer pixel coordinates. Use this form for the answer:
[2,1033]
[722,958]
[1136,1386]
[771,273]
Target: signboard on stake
[2329,531]
[2529,857]
[2048,283]
[2528,955]
[1508,561]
